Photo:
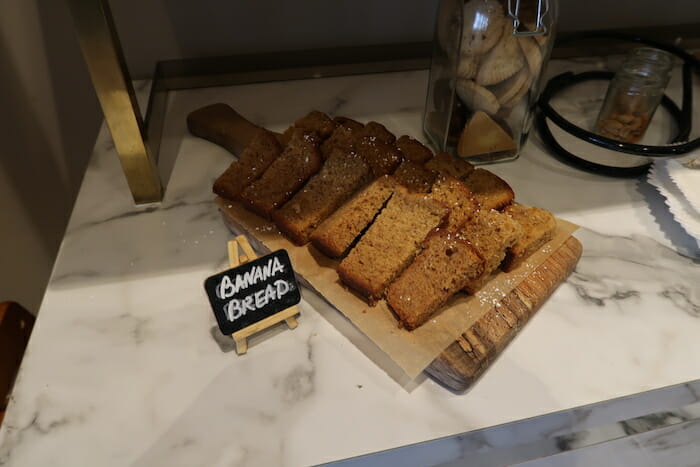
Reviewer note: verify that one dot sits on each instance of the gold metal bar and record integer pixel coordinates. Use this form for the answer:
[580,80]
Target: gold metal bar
[110,77]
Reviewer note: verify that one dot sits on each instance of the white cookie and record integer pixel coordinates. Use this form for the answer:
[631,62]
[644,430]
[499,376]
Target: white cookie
[503,61]
[476,97]
[482,26]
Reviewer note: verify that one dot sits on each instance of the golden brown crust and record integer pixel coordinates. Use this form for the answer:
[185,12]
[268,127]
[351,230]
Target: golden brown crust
[250,166]
[490,190]
[415,177]
[446,164]
[413,150]
[287,174]
[538,227]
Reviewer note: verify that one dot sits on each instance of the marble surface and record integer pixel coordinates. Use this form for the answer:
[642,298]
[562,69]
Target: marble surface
[126,366]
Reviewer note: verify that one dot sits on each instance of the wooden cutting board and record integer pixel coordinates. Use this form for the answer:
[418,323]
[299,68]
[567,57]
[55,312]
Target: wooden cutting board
[461,364]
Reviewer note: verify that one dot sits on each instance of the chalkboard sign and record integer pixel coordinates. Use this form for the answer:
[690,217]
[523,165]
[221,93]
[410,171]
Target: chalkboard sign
[253,291]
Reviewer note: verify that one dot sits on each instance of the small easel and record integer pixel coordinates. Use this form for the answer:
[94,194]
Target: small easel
[288,315]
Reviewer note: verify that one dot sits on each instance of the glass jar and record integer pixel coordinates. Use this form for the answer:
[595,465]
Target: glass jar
[488,59]
[634,94]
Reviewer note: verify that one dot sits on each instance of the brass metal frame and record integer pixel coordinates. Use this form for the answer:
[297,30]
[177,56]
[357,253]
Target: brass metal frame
[110,77]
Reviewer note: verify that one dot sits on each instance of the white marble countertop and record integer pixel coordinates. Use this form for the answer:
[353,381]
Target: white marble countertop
[126,366]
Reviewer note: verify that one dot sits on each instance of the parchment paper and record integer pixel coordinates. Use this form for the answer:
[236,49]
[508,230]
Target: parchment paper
[412,351]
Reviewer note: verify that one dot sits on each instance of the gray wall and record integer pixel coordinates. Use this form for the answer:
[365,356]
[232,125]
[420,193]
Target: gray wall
[165,29]
[50,115]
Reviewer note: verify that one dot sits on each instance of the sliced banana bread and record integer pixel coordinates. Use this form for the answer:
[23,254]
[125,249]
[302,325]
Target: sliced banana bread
[336,234]
[491,233]
[490,190]
[415,177]
[391,242]
[343,137]
[254,160]
[375,144]
[342,174]
[538,228]
[299,161]
[456,196]
[413,150]
[446,264]
[444,163]
[315,121]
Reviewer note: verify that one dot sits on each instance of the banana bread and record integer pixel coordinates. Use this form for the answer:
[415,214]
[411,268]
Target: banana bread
[455,195]
[343,137]
[490,233]
[538,228]
[415,177]
[342,174]
[491,191]
[390,243]
[445,266]
[254,160]
[444,163]
[315,121]
[299,161]
[413,150]
[335,235]
[375,144]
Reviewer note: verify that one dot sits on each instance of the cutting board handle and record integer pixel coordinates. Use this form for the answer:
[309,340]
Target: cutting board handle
[222,125]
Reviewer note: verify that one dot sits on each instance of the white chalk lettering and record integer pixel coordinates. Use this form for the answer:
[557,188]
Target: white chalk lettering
[228,288]
[236,308]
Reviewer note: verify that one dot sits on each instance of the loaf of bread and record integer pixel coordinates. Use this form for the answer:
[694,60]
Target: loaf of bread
[390,243]
[413,150]
[490,190]
[491,233]
[538,228]
[415,177]
[336,234]
[444,163]
[252,163]
[375,144]
[342,174]
[456,196]
[444,267]
[300,159]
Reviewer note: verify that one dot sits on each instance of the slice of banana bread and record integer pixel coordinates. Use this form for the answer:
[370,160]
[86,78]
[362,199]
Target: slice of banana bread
[390,243]
[446,264]
[342,174]
[413,150]
[343,137]
[315,121]
[336,234]
[299,161]
[490,190]
[491,233]
[538,227]
[456,196]
[375,144]
[444,163]
[254,160]
[415,177]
